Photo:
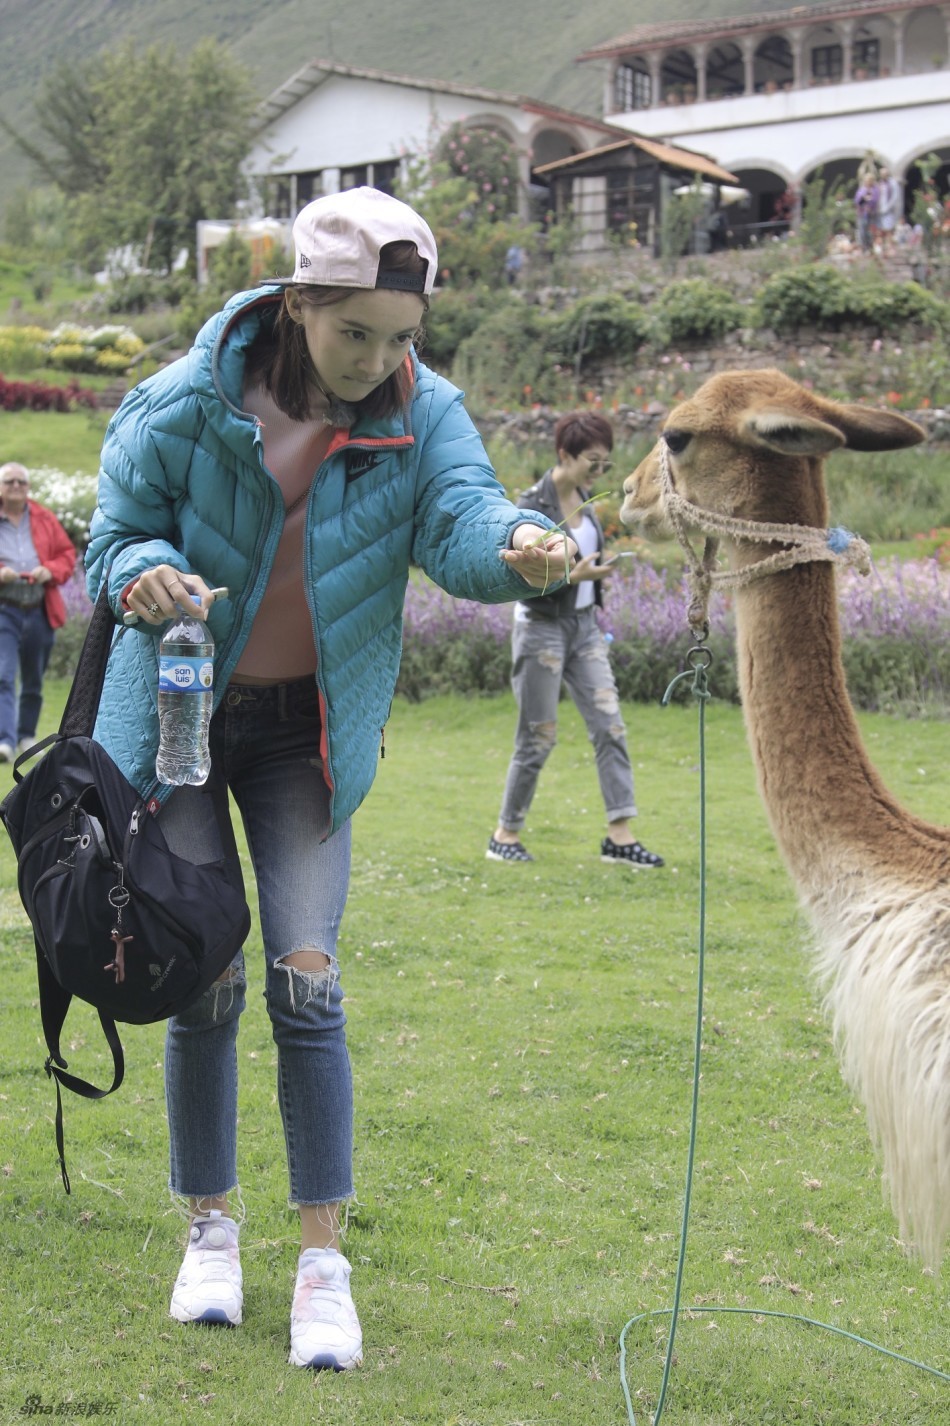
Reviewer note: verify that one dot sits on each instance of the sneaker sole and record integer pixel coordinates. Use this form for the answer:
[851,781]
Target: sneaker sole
[497,857]
[634,866]
[324,1363]
[213,1317]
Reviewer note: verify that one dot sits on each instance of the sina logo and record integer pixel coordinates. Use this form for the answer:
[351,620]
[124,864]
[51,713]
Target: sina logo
[359,462]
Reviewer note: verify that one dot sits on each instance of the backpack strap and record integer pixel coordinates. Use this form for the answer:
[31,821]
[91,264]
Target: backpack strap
[54,1003]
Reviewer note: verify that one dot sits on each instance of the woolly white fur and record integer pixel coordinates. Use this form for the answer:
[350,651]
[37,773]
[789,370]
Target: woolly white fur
[883,959]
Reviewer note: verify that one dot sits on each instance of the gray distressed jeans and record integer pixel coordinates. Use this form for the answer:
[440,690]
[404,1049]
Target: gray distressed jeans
[546,653]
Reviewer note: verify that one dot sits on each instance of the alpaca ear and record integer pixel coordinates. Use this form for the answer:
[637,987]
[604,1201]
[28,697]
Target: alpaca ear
[866,429]
[788,433]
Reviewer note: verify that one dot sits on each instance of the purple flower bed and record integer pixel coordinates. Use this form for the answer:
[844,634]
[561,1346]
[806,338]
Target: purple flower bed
[909,600]
[433,617]
[77,601]
[895,627]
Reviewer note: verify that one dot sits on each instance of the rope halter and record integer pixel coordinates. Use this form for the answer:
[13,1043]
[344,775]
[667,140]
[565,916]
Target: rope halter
[804,544]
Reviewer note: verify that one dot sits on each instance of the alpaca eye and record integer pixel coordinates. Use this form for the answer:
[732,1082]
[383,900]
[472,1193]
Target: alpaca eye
[677,441]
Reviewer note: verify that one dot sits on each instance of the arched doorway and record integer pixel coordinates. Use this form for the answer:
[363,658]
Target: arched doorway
[914,177]
[764,214]
[547,146]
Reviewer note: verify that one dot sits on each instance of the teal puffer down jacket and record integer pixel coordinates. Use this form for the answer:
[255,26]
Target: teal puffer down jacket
[183,482]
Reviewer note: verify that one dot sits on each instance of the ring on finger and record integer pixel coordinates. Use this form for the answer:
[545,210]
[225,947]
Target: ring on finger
[153,609]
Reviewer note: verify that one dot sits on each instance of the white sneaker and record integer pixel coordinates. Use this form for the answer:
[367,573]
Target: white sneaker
[324,1328]
[208,1287]
[6,752]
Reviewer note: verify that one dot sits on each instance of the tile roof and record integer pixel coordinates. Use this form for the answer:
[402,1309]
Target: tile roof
[664,153]
[662,35]
[318,71]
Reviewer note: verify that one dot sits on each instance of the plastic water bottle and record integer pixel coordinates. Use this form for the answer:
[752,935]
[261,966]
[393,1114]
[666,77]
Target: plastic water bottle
[185,682]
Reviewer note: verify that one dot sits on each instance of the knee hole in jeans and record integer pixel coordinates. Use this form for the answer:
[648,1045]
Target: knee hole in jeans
[308,972]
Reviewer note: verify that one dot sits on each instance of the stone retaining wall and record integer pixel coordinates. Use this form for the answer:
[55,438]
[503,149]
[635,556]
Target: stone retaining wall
[827,362]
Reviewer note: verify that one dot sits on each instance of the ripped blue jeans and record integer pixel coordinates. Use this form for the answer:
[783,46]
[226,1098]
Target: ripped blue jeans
[265,749]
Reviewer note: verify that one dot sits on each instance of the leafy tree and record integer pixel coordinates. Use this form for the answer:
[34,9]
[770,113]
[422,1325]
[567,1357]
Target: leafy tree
[824,212]
[681,213]
[230,265]
[928,211]
[38,227]
[144,144]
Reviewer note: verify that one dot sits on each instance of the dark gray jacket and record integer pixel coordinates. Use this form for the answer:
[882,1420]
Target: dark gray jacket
[543,497]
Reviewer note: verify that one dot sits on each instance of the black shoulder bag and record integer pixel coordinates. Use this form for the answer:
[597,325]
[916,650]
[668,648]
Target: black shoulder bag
[118,920]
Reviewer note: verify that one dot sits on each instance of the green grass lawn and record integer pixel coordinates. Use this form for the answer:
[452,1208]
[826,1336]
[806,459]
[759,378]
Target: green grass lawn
[65,440]
[522,1041]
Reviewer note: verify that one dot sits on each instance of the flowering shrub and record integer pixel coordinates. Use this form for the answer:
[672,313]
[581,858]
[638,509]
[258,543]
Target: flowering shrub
[22,348]
[453,645]
[895,630]
[72,499]
[487,160]
[69,639]
[109,348]
[69,347]
[896,627]
[895,634]
[37,396]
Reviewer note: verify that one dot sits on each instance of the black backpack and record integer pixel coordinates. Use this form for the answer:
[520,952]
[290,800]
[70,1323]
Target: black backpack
[118,920]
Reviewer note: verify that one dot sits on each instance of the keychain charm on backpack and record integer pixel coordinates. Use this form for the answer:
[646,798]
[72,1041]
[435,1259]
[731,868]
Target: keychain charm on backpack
[119,898]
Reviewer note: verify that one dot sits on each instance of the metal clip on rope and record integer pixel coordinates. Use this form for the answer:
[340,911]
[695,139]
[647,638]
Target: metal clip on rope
[699,658]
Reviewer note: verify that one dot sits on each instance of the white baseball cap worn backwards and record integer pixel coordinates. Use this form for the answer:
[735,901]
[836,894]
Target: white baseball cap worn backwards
[338,238]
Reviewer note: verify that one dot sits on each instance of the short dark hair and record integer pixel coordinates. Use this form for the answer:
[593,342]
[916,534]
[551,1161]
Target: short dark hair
[580,429]
[280,357]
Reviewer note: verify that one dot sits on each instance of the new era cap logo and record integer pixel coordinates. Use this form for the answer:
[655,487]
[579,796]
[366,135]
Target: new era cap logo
[304,260]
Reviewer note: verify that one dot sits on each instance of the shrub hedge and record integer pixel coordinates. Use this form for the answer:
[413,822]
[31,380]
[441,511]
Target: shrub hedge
[895,628]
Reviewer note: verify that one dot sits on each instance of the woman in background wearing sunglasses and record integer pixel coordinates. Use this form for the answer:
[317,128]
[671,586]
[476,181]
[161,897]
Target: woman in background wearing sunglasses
[556,640]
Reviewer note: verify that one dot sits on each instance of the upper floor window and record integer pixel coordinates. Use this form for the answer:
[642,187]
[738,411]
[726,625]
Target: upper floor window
[632,88]
[827,62]
[867,56]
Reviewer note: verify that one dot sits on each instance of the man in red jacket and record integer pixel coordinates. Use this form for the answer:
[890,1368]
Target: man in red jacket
[36,556]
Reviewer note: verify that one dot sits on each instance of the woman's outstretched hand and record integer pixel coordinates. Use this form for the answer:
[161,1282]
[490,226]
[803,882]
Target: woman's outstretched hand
[542,557]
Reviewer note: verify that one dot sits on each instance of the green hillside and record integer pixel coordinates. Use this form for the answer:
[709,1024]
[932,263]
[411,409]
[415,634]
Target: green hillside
[528,46]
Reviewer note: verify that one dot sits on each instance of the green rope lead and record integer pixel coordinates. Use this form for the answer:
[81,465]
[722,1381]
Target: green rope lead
[699,658]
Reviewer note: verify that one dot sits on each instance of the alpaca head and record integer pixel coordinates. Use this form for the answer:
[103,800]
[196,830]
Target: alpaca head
[751,444]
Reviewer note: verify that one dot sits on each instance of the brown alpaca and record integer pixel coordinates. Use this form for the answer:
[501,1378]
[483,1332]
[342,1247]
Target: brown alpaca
[750,446]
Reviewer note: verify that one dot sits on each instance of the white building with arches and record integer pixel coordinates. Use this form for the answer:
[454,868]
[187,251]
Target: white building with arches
[331,126]
[777,95]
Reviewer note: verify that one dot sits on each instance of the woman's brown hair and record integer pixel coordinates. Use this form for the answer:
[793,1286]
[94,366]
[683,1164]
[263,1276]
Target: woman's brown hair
[580,429]
[281,359]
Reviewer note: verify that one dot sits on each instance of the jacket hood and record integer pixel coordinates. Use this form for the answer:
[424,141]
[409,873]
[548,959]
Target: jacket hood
[218,358]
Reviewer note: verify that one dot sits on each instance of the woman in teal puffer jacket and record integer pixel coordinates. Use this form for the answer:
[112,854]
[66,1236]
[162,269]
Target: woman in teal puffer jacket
[302,457]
